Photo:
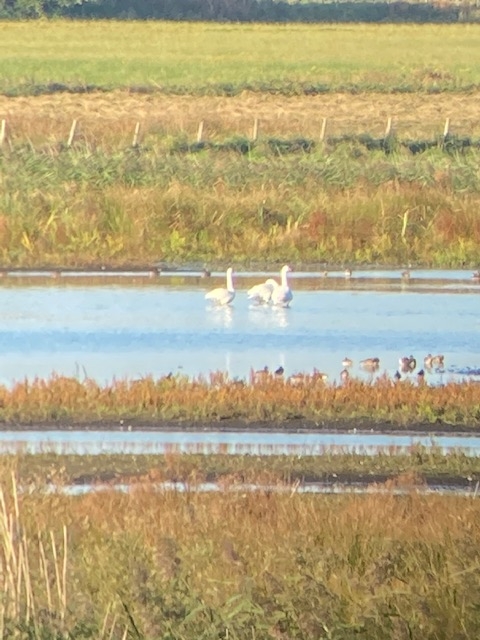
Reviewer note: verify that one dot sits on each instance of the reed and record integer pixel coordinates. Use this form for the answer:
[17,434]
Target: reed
[60,398]
[149,563]
[78,208]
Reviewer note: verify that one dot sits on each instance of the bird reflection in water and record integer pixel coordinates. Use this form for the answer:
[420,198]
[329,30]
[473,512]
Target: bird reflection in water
[222,316]
[268,317]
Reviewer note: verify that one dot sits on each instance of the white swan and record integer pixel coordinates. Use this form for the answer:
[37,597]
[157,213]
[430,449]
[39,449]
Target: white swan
[222,295]
[262,293]
[282,295]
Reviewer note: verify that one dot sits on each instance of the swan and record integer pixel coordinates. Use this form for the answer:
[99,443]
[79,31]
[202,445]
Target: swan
[282,294]
[262,293]
[221,295]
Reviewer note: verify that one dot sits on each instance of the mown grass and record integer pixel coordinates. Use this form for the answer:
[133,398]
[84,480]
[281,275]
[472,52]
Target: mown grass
[236,564]
[228,58]
[85,206]
[59,399]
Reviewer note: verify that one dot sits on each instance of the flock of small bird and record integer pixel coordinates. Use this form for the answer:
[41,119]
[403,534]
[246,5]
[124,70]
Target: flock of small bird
[272,292]
[407,364]
[268,292]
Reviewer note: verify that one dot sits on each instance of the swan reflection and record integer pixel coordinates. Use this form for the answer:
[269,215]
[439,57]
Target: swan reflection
[221,316]
[265,317]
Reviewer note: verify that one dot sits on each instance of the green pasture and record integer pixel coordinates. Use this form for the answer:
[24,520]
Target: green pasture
[209,57]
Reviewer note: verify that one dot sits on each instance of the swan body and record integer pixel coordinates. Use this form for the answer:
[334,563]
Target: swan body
[262,293]
[282,294]
[223,295]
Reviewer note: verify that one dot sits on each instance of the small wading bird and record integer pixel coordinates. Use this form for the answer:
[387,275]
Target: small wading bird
[348,273]
[205,273]
[372,364]
[346,362]
[282,295]
[406,274]
[278,373]
[222,295]
[433,361]
[407,363]
[262,293]
[261,375]
[476,276]
[344,375]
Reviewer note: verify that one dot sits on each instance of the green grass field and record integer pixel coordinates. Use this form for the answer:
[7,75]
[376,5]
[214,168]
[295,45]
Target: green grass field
[193,57]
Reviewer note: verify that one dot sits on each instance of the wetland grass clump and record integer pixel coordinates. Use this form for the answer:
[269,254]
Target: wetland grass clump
[148,563]
[180,398]
[79,207]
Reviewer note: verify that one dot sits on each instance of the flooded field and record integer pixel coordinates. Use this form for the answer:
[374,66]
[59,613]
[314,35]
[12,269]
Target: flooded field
[130,325]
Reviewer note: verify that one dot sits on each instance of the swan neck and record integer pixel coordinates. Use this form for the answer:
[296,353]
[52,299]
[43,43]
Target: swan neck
[229,281]
[284,278]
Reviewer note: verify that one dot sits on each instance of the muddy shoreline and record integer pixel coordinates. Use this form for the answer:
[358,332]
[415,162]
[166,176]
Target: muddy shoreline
[236,425]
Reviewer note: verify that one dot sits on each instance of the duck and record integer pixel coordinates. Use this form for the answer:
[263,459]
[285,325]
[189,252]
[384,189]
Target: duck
[397,376]
[222,296]
[347,362]
[261,375]
[406,274]
[262,293]
[206,273]
[344,375]
[282,295]
[348,273]
[433,361]
[319,375]
[278,373]
[370,363]
[476,276]
[407,363]
[421,376]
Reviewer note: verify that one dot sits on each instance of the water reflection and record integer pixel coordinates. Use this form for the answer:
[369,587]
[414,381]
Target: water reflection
[221,316]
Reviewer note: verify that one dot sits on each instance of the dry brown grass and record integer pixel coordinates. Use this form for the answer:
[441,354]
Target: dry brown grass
[109,119]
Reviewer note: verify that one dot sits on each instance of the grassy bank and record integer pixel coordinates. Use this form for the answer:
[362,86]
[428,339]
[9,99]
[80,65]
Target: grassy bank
[214,58]
[84,206]
[61,399]
[419,464]
[238,565]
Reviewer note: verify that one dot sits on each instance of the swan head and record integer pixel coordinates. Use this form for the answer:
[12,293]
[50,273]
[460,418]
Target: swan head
[286,268]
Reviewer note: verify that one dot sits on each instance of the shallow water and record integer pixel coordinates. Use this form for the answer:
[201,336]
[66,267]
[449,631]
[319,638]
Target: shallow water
[131,325]
[217,442]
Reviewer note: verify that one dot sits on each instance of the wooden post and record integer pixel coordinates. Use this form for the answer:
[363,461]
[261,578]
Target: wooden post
[3,131]
[323,129]
[255,130]
[135,135]
[388,128]
[446,128]
[72,133]
[200,131]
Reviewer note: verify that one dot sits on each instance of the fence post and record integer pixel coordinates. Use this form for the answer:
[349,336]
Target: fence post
[323,129]
[72,133]
[200,131]
[135,135]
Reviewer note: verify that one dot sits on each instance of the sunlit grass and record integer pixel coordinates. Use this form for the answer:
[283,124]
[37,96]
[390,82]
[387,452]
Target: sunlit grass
[150,563]
[229,57]
[59,398]
[83,207]
[427,463]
